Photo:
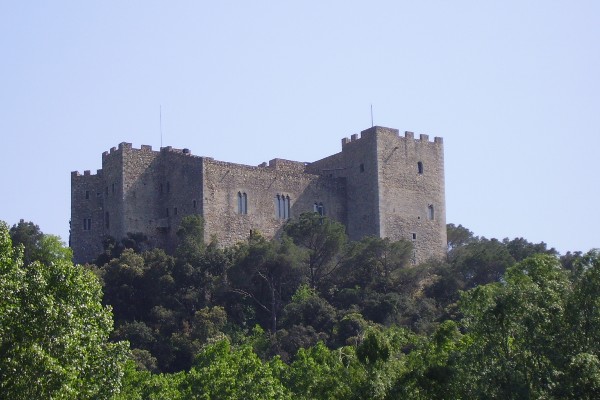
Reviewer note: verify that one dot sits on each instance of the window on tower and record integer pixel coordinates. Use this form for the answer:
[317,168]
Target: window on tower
[242,203]
[319,208]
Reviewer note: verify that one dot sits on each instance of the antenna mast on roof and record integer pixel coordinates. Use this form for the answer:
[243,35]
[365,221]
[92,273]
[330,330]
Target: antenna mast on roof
[160,121]
[372,115]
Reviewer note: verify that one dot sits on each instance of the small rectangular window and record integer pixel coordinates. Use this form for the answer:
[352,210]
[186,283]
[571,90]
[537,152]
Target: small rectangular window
[87,194]
[113,187]
[175,211]
[194,203]
[106,191]
[87,224]
[414,236]
[319,209]
[242,203]
[362,167]
[167,211]
[168,187]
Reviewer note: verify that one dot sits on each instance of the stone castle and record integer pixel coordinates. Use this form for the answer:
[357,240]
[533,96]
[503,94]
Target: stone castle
[380,184]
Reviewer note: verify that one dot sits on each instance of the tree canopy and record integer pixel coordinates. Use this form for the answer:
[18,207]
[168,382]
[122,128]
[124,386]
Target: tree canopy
[54,330]
[307,316]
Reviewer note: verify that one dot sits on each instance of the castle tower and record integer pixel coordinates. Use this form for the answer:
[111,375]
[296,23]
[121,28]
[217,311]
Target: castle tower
[395,188]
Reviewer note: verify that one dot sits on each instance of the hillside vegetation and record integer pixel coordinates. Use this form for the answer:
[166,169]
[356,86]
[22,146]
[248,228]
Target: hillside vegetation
[309,316]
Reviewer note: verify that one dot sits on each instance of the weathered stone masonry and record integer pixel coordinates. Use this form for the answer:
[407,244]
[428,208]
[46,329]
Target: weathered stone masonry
[380,184]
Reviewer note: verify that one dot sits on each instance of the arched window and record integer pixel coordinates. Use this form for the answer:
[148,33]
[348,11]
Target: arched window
[286,208]
[282,207]
[242,203]
[420,167]
[430,211]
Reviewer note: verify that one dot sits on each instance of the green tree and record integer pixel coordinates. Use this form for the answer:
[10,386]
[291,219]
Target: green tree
[320,373]
[520,248]
[376,263]
[430,371]
[458,236]
[29,236]
[222,372]
[516,330]
[267,273]
[54,331]
[191,238]
[38,246]
[323,239]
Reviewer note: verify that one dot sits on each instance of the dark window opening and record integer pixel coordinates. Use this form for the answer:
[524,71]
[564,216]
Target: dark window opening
[319,209]
[107,220]
[420,167]
[242,203]
[168,187]
[414,236]
[87,194]
[430,211]
[106,190]
[194,203]
[175,211]
[167,211]
[362,167]
[160,188]
[286,208]
[282,207]
[113,187]
[87,224]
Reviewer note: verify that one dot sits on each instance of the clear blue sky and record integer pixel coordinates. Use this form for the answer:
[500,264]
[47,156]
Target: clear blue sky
[513,87]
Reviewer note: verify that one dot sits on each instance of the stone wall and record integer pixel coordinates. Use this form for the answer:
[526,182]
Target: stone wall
[380,184]
[387,195]
[86,204]
[411,180]
[224,181]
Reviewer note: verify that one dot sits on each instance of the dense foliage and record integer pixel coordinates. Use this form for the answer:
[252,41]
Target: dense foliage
[53,328]
[313,316]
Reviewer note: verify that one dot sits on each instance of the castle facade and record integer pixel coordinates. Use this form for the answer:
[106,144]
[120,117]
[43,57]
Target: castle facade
[380,184]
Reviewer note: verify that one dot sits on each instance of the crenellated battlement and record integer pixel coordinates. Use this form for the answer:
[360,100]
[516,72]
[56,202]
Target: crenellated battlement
[87,172]
[170,149]
[144,148]
[408,135]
